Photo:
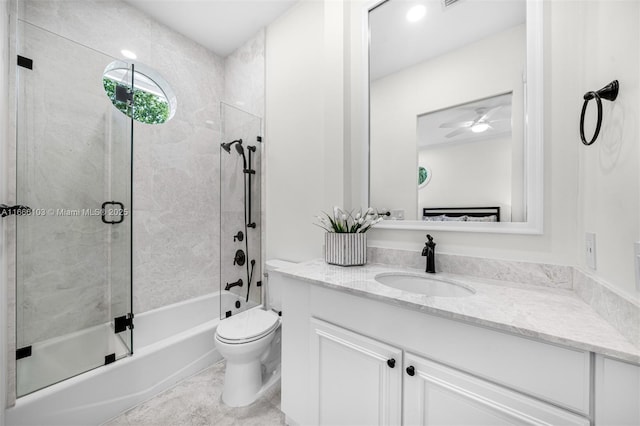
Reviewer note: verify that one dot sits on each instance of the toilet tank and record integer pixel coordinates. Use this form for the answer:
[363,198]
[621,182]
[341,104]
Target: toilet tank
[273,290]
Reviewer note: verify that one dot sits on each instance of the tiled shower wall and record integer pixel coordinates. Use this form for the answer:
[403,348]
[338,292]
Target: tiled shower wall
[176,165]
[175,212]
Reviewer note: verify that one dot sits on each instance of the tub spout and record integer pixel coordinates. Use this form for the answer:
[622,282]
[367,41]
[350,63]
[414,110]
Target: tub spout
[231,285]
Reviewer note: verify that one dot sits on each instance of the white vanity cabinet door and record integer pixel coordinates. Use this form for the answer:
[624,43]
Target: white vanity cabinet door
[617,393]
[352,381]
[439,395]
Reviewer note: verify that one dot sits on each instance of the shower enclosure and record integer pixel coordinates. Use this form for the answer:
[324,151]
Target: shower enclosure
[73,252]
[240,209]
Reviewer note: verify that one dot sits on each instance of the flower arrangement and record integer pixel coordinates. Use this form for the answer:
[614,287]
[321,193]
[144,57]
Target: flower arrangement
[344,222]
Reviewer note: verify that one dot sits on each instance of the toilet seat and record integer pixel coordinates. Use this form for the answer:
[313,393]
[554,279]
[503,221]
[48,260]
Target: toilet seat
[247,326]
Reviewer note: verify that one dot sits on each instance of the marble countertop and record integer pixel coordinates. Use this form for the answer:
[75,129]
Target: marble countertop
[545,313]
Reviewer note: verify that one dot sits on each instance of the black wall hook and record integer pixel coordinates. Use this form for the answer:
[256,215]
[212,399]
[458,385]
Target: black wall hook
[608,92]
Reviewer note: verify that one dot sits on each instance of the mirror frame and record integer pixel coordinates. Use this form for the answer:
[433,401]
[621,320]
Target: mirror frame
[533,137]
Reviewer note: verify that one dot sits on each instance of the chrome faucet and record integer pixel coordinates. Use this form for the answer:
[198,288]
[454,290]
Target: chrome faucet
[429,251]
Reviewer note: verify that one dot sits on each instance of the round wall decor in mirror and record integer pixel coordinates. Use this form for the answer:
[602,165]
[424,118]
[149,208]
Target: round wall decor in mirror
[424,176]
[139,92]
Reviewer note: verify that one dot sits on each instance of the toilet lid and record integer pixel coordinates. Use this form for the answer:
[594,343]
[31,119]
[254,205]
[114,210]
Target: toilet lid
[247,325]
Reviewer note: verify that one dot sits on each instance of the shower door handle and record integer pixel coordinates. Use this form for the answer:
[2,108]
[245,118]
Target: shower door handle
[116,209]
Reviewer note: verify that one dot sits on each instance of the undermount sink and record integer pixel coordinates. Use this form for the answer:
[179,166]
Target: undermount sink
[420,284]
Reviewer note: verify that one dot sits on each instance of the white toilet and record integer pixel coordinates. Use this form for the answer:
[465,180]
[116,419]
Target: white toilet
[250,343]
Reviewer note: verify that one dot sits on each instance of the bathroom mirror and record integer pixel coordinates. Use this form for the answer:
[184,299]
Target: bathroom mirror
[455,114]
[139,92]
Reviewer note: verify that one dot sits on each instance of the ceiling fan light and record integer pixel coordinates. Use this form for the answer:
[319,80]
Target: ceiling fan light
[479,127]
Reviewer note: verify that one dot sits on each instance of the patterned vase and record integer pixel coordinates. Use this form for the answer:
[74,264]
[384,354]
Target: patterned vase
[345,249]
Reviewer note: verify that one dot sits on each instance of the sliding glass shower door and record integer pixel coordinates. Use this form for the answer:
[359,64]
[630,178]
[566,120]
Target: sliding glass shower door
[73,259]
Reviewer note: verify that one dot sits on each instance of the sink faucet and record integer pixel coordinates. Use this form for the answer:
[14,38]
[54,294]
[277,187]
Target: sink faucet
[429,251]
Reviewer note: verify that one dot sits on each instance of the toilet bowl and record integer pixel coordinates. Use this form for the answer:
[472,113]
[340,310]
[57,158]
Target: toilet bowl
[244,341]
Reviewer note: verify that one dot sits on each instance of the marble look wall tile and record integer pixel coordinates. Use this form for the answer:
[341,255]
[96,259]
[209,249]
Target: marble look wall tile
[621,311]
[62,163]
[176,165]
[107,26]
[245,74]
[505,270]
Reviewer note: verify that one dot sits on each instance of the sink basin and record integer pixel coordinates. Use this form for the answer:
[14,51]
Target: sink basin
[420,284]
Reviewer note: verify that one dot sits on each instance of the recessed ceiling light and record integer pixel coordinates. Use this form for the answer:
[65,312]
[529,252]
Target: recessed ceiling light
[480,127]
[128,54]
[416,13]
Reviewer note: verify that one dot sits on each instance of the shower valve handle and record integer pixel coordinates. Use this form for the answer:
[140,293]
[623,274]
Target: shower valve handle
[239,258]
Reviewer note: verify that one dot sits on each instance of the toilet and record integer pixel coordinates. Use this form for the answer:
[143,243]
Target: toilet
[250,344]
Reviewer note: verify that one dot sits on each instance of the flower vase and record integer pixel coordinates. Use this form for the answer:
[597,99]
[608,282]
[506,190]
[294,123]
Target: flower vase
[345,249]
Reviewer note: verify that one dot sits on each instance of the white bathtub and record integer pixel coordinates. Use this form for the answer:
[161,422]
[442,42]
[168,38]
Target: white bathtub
[170,344]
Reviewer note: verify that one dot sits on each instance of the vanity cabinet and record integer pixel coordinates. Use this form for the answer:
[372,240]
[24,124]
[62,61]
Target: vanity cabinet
[617,388]
[345,359]
[354,379]
[357,380]
[438,395]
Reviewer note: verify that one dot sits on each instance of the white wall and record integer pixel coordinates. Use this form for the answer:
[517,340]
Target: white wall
[486,68]
[304,116]
[609,172]
[468,174]
[605,202]
[4,133]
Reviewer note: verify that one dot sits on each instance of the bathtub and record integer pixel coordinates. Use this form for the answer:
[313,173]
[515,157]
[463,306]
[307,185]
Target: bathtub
[170,344]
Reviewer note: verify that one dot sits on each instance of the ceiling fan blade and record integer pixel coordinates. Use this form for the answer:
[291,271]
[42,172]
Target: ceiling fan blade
[457,124]
[457,132]
[490,113]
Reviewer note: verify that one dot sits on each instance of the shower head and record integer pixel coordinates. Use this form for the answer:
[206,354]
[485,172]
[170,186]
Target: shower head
[227,146]
[240,149]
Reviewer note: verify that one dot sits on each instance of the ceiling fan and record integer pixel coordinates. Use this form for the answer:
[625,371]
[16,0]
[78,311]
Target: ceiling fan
[480,123]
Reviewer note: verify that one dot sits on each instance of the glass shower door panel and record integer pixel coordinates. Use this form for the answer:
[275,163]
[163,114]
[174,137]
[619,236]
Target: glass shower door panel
[65,168]
[119,143]
[240,211]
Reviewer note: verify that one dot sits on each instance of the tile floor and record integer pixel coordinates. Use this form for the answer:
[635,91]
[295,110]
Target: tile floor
[197,401]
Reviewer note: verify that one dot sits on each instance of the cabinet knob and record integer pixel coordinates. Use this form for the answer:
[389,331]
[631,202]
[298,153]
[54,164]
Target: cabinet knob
[391,362]
[410,370]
